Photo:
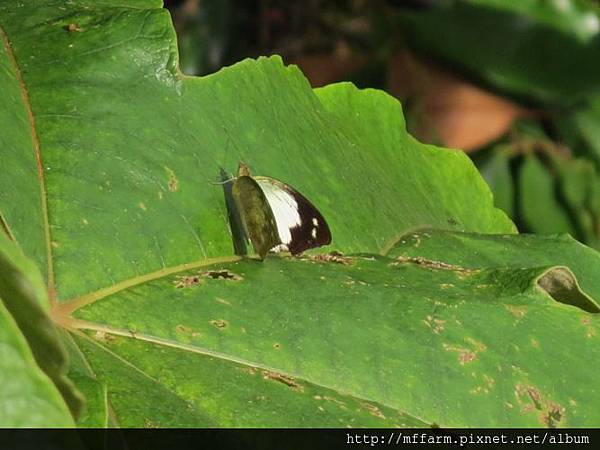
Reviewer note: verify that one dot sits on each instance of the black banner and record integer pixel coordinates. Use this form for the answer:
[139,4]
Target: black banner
[296,439]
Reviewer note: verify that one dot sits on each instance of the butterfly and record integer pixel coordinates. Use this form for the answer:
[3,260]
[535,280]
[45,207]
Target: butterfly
[275,216]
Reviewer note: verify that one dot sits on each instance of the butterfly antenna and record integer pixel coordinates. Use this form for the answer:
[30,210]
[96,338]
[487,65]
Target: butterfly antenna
[225,178]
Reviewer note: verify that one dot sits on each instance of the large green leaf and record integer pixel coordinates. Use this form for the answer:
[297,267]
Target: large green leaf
[541,50]
[129,146]
[261,339]
[166,327]
[28,396]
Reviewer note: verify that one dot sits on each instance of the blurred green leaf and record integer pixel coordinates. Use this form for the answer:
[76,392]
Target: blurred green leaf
[28,397]
[495,169]
[540,209]
[580,129]
[547,51]
[553,191]
[204,31]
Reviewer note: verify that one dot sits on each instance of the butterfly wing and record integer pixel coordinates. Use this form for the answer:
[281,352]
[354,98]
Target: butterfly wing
[300,225]
[256,214]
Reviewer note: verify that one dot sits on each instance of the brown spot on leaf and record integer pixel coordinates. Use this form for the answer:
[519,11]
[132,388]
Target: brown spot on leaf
[281,378]
[72,27]
[186,281]
[466,355]
[531,399]
[552,415]
[277,346]
[430,264]
[142,206]
[219,323]
[333,257]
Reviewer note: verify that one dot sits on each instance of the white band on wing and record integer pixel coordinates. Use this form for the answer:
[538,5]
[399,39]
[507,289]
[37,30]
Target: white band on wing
[284,207]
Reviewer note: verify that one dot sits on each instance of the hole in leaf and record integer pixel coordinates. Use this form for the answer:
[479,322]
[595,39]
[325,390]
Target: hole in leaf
[560,284]
[222,275]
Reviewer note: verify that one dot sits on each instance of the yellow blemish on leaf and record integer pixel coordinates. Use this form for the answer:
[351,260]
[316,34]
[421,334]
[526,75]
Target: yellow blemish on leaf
[479,346]
[517,311]
[182,329]
[54,244]
[84,221]
[590,331]
[72,27]
[173,182]
[103,336]
[373,410]
[281,378]
[436,325]
[486,387]
[219,323]
[142,206]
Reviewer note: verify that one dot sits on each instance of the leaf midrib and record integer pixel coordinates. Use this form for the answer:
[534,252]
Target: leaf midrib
[79,324]
[39,163]
[62,311]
